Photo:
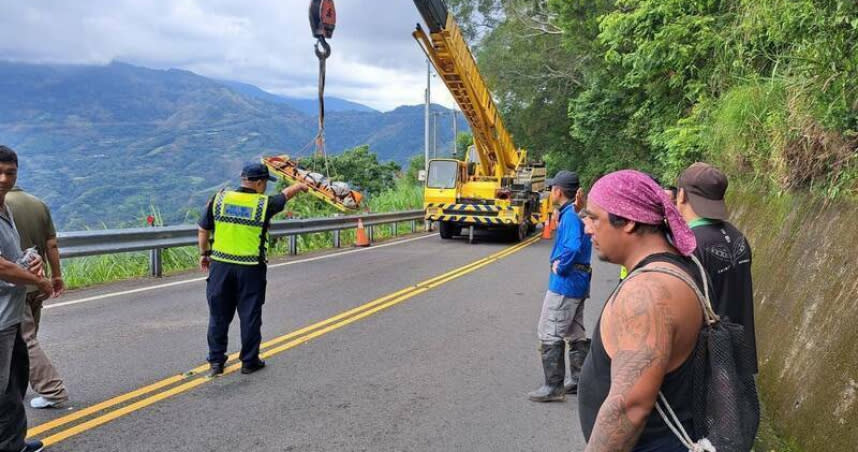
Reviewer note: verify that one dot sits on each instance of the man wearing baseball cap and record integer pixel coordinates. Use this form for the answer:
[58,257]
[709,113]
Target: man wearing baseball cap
[233,241]
[721,247]
[562,316]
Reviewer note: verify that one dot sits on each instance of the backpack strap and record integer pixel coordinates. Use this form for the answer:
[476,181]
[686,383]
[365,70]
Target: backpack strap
[703,298]
[704,445]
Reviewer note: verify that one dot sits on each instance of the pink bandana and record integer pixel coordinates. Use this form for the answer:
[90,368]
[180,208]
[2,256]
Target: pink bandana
[634,195]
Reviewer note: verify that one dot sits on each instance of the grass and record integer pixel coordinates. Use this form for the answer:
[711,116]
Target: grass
[768,438]
[767,131]
[87,271]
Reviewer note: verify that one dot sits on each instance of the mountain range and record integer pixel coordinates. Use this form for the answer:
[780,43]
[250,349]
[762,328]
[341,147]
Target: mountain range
[103,144]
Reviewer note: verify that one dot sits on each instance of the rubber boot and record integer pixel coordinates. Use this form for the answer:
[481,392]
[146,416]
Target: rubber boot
[554,366]
[577,353]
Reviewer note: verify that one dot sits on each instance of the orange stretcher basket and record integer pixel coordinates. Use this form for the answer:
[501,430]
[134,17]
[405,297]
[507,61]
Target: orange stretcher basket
[336,195]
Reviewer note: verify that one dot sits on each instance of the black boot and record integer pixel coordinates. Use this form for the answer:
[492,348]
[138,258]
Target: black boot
[577,353]
[554,365]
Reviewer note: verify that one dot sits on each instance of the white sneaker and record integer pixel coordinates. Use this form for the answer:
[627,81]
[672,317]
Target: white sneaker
[41,402]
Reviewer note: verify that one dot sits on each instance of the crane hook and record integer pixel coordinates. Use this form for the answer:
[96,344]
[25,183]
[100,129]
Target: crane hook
[323,49]
[323,20]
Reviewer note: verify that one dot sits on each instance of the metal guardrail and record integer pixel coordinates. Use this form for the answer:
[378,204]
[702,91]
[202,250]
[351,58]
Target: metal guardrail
[110,241]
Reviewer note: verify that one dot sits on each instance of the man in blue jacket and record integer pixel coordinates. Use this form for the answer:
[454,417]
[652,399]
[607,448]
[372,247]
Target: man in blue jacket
[562,317]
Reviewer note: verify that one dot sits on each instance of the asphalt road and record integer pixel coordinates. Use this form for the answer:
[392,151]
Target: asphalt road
[444,364]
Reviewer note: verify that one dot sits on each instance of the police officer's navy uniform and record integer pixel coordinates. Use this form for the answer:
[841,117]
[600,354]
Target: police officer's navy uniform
[237,272]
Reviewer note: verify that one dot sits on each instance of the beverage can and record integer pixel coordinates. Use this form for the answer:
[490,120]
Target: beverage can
[29,256]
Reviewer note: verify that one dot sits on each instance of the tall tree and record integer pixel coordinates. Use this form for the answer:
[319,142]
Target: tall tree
[535,57]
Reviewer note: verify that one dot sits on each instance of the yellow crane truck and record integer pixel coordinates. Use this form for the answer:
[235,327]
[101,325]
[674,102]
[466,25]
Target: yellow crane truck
[493,186]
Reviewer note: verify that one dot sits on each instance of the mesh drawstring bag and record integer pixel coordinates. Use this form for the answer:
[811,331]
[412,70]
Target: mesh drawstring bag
[725,406]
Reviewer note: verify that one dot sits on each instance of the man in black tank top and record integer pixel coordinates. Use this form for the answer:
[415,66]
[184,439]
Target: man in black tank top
[648,329]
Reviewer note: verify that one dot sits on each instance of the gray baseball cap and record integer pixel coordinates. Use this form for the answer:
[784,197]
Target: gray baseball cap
[705,186]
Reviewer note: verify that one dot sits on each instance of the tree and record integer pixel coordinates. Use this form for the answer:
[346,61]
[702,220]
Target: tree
[415,165]
[535,57]
[761,87]
[463,141]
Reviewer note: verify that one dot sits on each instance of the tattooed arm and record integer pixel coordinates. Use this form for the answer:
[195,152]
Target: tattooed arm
[638,330]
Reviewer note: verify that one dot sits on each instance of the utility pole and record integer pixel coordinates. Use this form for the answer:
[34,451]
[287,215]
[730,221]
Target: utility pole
[435,135]
[426,119]
[427,225]
[455,133]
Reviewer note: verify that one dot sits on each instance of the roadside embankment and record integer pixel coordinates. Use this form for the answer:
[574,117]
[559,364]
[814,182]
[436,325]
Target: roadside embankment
[805,254]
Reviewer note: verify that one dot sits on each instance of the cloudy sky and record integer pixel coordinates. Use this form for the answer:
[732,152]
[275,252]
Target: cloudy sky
[267,43]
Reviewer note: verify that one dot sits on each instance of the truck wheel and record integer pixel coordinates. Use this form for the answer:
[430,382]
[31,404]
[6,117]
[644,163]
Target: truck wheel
[521,232]
[518,233]
[531,227]
[447,230]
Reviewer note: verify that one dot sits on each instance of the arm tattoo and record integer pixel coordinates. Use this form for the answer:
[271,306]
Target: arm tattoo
[641,333]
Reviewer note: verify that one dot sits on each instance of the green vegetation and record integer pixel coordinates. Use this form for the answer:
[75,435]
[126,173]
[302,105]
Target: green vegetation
[766,89]
[415,165]
[393,194]
[463,141]
[86,271]
[768,439]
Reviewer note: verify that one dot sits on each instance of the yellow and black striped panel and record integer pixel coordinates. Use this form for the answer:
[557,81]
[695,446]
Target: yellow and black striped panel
[471,219]
[440,205]
[465,208]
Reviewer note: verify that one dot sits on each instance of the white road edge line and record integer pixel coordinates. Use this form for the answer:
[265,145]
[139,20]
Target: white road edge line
[186,281]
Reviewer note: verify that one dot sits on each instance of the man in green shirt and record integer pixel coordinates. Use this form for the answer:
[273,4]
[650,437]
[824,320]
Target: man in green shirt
[722,249]
[36,228]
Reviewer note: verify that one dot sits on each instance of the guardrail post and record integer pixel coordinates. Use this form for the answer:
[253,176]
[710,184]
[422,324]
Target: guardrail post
[413,226]
[371,232]
[394,231]
[293,244]
[337,238]
[155,270]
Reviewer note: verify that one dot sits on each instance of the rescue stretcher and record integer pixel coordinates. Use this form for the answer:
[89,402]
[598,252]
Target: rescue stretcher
[337,194]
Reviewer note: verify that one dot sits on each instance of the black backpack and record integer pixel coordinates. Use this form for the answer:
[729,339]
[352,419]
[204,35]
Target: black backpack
[725,405]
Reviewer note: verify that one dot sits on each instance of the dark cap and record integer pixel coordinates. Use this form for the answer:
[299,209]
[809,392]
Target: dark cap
[705,186]
[256,171]
[566,180]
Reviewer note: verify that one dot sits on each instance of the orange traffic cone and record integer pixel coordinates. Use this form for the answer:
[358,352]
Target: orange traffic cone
[360,235]
[546,230]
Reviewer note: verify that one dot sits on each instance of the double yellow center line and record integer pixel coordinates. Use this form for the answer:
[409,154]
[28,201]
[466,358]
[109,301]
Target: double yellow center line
[177,384]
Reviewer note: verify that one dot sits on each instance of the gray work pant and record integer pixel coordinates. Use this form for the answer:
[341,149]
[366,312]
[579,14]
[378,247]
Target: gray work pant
[562,318]
[13,386]
[44,378]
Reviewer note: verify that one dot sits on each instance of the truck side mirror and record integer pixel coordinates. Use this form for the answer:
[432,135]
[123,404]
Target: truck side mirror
[421,175]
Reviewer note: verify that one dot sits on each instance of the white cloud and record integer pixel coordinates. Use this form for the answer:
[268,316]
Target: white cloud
[267,43]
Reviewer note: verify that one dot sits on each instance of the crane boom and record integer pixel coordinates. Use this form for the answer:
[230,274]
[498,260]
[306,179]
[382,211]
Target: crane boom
[502,190]
[446,49]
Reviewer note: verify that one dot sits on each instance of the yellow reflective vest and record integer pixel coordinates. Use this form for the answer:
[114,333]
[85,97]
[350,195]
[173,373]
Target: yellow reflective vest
[238,234]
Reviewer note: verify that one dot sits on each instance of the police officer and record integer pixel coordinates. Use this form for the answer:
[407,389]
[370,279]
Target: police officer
[235,223]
